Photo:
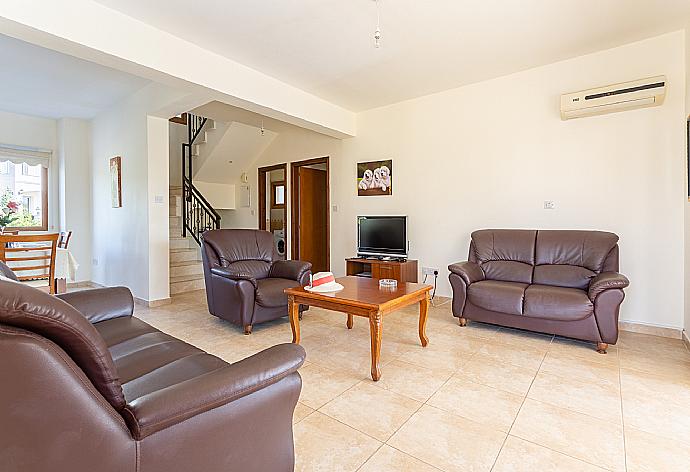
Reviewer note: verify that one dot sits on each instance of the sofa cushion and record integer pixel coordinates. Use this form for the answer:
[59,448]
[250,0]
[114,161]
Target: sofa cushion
[557,303]
[269,292]
[148,360]
[496,295]
[571,258]
[504,254]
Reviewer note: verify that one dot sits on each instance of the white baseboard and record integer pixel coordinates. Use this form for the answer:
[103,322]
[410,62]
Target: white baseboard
[153,303]
[642,328]
[686,339]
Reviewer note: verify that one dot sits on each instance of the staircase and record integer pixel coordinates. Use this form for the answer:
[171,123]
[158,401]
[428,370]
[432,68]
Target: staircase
[186,270]
[190,213]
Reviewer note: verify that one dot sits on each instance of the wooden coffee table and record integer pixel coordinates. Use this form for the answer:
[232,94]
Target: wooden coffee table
[363,297]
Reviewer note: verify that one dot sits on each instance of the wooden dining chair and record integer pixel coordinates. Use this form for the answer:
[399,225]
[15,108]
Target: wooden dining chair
[30,253]
[63,241]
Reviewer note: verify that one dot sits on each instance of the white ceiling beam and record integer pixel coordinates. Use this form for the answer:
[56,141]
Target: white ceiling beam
[93,32]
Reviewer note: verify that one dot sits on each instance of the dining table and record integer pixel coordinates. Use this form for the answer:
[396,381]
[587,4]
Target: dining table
[65,267]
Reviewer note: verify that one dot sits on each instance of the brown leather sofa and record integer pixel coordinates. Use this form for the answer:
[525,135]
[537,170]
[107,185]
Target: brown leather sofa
[245,279]
[562,282]
[87,387]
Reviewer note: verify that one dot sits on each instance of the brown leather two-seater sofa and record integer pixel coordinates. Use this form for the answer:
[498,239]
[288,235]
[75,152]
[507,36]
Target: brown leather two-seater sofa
[563,282]
[86,387]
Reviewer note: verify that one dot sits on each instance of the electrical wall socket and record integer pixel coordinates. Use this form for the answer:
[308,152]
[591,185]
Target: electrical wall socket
[429,270]
[549,205]
[94,261]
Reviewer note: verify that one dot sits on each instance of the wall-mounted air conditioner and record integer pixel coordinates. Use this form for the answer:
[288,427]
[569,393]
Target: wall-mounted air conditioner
[612,98]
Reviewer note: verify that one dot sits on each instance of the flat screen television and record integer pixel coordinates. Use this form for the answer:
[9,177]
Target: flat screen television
[382,236]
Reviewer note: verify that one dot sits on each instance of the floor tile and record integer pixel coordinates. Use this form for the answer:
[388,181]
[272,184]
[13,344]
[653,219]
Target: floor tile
[436,355]
[447,441]
[506,377]
[580,436]
[521,356]
[371,410]
[518,455]
[584,350]
[301,412]
[580,368]
[325,444]
[659,414]
[486,405]
[321,385]
[523,338]
[599,401]
[388,459]
[655,363]
[649,453]
[413,381]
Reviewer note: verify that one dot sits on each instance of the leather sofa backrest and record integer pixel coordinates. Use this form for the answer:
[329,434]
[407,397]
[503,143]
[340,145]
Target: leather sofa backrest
[504,254]
[570,258]
[562,258]
[22,306]
[243,250]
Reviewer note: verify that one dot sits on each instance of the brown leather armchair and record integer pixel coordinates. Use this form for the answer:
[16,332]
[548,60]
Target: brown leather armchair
[87,387]
[563,282]
[244,278]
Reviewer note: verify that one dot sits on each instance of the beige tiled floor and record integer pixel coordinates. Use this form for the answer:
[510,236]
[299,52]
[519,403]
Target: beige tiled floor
[479,398]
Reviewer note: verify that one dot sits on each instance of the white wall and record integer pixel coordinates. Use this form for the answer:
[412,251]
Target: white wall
[158,208]
[687,202]
[130,244]
[177,136]
[74,182]
[488,155]
[291,144]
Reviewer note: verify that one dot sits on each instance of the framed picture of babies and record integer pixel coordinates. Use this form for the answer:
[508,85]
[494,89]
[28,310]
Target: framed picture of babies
[375,178]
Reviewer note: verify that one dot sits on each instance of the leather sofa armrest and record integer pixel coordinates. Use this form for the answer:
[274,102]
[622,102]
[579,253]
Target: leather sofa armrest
[163,408]
[605,281]
[6,272]
[230,274]
[470,272]
[100,304]
[293,270]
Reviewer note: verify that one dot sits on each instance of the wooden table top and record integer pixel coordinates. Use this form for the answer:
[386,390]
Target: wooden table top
[363,291]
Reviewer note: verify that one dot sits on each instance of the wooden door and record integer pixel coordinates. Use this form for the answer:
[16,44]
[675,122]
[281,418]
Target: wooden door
[313,217]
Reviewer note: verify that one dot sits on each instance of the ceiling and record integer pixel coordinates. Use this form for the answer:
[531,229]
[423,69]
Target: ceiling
[239,146]
[41,82]
[325,47]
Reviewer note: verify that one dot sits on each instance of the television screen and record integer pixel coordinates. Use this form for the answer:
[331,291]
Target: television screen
[382,235]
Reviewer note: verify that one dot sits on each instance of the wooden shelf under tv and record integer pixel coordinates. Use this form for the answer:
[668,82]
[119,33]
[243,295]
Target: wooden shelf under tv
[402,271]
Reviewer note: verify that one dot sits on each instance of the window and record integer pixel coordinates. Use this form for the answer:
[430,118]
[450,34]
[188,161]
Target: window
[277,194]
[27,186]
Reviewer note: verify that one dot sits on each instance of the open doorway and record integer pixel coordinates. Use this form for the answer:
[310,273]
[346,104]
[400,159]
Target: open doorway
[310,228]
[273,204]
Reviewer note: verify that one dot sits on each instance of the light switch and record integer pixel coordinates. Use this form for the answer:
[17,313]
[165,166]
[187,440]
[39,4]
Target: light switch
[335,208]
[158,199]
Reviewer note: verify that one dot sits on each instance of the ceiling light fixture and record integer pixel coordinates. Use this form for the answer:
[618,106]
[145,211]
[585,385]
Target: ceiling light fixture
[377,33]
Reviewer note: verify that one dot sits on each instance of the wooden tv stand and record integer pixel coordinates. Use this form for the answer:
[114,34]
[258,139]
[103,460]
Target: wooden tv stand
[382,269]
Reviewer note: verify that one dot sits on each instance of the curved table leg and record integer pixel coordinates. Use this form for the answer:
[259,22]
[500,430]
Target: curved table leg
[293,312]
[423,312]
[350,321]
[375,326]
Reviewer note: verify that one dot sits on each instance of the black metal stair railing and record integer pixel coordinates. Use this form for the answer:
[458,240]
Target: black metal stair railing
[197,213]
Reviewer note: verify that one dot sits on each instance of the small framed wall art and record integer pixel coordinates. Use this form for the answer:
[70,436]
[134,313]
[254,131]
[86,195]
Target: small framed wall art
[116,182]
[375,178]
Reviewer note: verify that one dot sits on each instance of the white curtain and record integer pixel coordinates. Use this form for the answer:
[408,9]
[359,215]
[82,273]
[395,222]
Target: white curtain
[19,154]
